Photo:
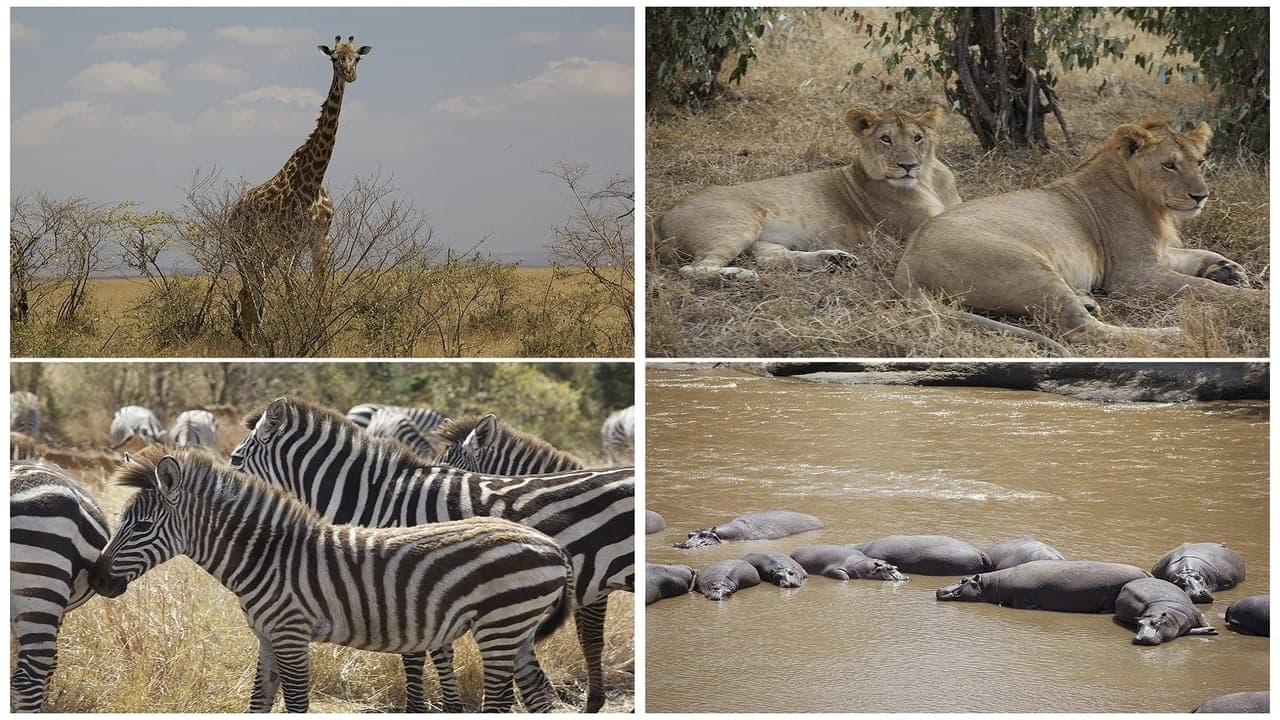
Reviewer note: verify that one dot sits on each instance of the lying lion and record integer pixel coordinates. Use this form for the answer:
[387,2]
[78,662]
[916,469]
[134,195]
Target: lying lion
[1111,224]
[813,220]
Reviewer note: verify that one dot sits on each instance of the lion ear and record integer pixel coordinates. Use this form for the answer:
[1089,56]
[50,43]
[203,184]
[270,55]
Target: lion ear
[1201,136]
[859,119]
[1132,138]
[931,118]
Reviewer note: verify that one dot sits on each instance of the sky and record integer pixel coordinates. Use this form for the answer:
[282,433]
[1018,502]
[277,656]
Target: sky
[464,108]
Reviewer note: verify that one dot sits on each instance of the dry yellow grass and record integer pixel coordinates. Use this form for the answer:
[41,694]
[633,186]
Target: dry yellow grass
[118,332]
[785,118]
[177,641]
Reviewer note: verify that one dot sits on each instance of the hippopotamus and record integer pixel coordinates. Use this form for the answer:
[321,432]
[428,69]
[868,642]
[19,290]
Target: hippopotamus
[927,554]
[844,562]
[664,581]
[653,522]
[1160,610]
[1251,615]
[777,568]
[1016,552]
[721,579]
[1200,568]
[769,525]
[1240,702]
[1063,585]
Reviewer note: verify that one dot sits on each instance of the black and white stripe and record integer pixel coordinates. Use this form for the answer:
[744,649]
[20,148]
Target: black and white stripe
[135,420]
[401,590]
[484,445]
[195,428]
[322,458]
[618,435]
[24,413]
[392,424]
[56,531]
[426,419]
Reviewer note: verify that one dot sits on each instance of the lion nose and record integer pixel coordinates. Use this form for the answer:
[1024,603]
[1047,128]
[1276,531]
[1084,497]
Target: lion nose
[1198,198]
[908,166]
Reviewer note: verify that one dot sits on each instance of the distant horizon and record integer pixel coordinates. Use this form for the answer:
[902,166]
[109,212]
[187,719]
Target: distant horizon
[466,108]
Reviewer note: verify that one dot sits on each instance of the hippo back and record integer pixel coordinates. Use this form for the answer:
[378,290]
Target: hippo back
[928,554]
[1010,553]
[1062,585]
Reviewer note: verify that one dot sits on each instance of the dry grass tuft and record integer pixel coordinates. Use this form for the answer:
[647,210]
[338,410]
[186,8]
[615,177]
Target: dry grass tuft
[785,118]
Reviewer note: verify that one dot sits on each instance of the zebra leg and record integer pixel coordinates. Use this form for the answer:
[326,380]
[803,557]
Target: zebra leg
[295,671]
[267,681]
[37,634]
[590,621]
[413,664]
[535,689]
[442,658]
[498,657]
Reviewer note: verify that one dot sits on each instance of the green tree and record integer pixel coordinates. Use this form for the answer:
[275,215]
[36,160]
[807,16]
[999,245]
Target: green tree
[686,47]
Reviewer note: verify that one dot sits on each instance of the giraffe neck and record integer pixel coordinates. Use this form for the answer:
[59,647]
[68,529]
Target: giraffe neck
[310,161]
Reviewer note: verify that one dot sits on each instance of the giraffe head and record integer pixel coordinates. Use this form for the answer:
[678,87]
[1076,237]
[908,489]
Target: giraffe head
[344,56]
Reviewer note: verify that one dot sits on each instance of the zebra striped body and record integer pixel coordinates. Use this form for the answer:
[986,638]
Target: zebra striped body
[56,531]
[195,428]
[402,590]
[618,435]
[391,424]
[24,413]
[322,458]
[483,445]
[426,419]
[135,421]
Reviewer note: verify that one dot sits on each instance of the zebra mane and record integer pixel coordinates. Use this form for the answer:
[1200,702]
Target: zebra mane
[329,417]
[303,407]
[455,431]
[203,473]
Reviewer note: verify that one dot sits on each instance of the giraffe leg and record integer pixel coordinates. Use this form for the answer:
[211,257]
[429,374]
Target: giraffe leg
[590,621]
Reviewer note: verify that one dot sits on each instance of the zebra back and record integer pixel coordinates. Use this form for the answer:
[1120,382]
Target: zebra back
[392,424]
[425,418]
[484,445]
[195,428]
[24,412]
[132,420]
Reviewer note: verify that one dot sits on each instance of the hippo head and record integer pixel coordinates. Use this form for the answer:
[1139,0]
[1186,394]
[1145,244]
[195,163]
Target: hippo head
[969,588]
[1195,583]
[717,590]
[700,538]
[788,577]
[1155,629]
[881,570]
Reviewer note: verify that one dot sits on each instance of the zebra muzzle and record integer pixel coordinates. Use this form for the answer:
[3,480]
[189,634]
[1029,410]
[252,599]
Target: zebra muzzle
[103,582]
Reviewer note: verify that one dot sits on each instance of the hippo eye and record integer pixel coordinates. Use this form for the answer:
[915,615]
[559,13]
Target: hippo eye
[886,139]
[1170,166]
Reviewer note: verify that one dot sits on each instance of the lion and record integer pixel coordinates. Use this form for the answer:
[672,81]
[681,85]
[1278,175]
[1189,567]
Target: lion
[813,220]
[1109,225]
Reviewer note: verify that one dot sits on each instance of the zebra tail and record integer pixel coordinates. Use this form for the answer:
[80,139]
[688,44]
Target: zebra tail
[564,606]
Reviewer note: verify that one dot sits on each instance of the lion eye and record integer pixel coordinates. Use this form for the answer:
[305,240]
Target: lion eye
[1200,163]
[919,138]
[1170,166]
[886,139]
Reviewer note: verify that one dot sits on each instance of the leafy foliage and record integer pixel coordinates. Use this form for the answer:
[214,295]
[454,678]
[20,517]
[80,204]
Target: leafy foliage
[685,49]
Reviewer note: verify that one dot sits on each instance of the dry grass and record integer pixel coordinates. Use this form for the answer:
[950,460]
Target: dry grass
[785,118]
[177,641]
[114,327]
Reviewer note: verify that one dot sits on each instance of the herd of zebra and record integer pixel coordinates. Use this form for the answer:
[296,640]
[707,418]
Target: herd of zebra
[388,529]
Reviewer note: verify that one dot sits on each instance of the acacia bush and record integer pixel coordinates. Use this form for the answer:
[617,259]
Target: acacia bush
[685,48]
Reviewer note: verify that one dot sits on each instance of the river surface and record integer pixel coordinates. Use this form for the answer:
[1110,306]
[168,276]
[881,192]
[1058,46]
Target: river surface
[1122,483]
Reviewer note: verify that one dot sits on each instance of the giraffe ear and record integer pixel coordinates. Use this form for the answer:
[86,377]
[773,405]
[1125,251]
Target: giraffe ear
[364,49]
[325,49]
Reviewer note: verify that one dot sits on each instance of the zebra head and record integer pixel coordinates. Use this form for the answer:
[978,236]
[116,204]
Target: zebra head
[252,455]
[150,530]
[476,450]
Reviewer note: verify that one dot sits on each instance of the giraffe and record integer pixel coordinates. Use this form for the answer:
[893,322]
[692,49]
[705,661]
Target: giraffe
[291,212]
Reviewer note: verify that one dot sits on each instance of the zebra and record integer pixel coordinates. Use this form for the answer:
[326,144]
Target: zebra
[402,589]
[24,413]
[618,434]
[133,421]
[426,419]
[56,531]
[323,458]
[23,447]
[391,423]
[195,428]
[483,445]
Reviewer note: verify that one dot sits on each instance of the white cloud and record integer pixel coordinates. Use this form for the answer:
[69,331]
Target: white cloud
[149,40]
[614,36]
[267,37]
[274,109]
[530,37]
[20,34]
[102,124]
[120,77]
[207,72]
[279,95]
[573,79]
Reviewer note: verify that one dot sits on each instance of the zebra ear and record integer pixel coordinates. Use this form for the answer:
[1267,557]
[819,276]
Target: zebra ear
[483,434]
[168,474]
[270,419]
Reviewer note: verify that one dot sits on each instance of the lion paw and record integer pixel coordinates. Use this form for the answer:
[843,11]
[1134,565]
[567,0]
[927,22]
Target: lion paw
[1228,273]
[838,260]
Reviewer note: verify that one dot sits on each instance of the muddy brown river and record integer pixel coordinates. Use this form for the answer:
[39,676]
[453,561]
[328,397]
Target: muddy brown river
[1122,483]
